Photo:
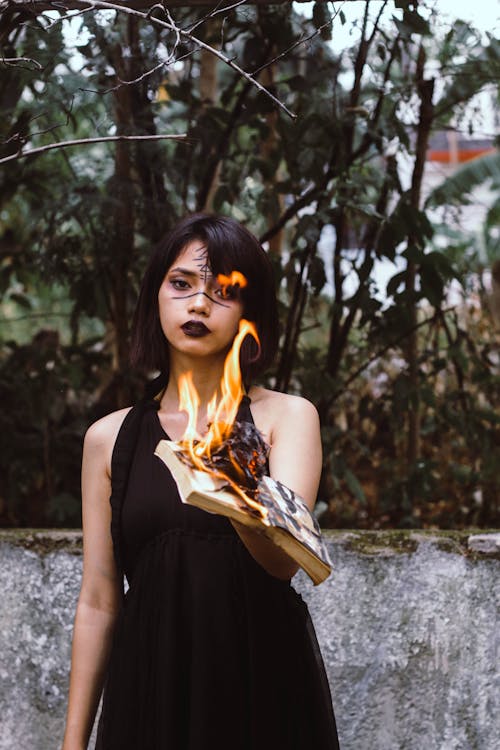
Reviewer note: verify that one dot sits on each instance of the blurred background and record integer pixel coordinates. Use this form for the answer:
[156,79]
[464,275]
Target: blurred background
[368,165]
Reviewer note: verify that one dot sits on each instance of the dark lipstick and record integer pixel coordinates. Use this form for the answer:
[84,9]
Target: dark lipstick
[195,328]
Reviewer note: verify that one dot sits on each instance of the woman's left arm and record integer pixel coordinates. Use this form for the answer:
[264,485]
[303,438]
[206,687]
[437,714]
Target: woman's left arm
[295,459]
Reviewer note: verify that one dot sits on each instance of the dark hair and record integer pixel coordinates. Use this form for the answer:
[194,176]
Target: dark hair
[230,247]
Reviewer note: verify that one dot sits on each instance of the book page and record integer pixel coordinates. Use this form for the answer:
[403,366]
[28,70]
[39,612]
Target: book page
[288,511]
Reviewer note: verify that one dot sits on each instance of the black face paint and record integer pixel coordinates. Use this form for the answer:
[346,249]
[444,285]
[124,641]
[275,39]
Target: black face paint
[212,299]
[201,258]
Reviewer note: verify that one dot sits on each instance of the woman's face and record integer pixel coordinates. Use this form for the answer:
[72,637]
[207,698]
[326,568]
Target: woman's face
[197,315]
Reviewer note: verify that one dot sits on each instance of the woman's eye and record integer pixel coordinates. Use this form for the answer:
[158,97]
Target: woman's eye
[179,284]
[226,292]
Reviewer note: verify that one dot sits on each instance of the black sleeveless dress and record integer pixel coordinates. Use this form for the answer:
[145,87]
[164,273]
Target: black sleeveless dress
[210,651]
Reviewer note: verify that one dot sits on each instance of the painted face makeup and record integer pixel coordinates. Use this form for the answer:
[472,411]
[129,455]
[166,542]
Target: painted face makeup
[199,311]
[227,283]
[200,257]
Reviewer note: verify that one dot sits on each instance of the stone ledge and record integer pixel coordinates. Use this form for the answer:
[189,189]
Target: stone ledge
[381,543]
[390,542]
[44,541]
[486,544]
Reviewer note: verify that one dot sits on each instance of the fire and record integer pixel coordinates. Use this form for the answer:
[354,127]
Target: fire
[235,278]
[221,414]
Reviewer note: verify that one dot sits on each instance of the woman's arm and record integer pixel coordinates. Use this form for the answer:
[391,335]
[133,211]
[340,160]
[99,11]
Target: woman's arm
[100,593]
[295,459]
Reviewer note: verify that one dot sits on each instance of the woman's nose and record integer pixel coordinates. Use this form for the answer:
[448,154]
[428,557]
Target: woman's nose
[200,303]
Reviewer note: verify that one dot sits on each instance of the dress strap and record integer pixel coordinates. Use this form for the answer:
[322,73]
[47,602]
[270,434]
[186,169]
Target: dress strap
[121,462]
[244,414]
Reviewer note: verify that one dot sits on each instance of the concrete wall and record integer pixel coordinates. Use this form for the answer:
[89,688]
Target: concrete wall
[408,626]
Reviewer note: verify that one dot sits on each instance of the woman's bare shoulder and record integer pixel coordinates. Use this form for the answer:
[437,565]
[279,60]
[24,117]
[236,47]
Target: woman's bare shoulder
[264,398]
[275,413]
[101,435]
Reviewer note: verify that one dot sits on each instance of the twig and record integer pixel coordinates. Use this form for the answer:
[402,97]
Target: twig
[216,12]
[64,17]
[111,89]
[30,316]
[171,26]
[85,141]
[18,137]
[385,349]
[375,25]
[14,60]
[300,41]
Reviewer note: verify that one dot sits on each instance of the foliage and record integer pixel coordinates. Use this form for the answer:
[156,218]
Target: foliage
[455,478]
[407,406]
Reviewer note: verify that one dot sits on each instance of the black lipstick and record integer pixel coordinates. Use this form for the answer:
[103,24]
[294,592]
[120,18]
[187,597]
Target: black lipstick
[195,328]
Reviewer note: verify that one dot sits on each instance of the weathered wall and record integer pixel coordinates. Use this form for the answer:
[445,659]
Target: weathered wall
[408,625]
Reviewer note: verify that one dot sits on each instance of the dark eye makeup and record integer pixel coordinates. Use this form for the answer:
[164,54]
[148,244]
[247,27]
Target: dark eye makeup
[226,292]
[179,284]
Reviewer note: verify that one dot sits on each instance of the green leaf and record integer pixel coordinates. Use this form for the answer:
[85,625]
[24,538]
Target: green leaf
[431,284]
[465,179]
[321,16]
[394,283]
[222,195]
[22,300]
[316,274]
[441,263]
[415,23]
[405,4]
[354,486]
[413,253]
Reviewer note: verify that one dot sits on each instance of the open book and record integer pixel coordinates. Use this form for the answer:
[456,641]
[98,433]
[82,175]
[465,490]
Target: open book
[288,523]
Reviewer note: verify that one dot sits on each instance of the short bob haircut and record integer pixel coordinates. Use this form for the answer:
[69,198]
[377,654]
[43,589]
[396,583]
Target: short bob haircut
[230,247]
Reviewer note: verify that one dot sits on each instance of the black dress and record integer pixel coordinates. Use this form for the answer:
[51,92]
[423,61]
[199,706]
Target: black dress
[210,651]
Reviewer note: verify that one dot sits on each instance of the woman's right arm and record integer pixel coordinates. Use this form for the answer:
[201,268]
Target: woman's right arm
[100,594]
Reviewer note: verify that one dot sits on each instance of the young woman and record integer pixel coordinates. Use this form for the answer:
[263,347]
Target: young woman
[211,648]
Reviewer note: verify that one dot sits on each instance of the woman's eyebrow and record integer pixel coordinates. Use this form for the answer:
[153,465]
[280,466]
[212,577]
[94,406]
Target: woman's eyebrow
[184,271]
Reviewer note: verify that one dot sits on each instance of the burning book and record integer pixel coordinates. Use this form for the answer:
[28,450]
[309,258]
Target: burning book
[272,508]
[224,471]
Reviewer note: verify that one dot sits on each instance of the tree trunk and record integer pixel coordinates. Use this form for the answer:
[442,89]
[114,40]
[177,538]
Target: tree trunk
[154,204]
[208,96]
[267,151]
[293,324]
[425,91]
[122,241]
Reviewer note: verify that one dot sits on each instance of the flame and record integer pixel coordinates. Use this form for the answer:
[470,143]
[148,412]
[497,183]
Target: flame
[221,414]
[235,278]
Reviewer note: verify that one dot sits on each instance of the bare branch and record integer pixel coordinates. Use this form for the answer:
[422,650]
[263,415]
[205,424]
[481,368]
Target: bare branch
[380,352]
[300,41]
[30,316]
[14,62]
[216,12]
[41,5]
[49,129]
[87,141]
[171,26]
[375,25]
[64,17]
[111,89]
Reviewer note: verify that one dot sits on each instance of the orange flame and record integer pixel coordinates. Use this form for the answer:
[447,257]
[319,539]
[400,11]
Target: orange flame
[220,414]
[235,278]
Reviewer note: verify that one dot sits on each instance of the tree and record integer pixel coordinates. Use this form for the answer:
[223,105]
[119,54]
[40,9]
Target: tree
[335,168]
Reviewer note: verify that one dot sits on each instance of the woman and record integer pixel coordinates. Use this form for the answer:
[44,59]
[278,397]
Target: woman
[211,647]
